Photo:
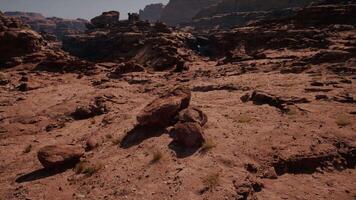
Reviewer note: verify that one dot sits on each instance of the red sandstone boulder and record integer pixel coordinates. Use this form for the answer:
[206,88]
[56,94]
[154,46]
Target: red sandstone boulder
[59,156]
[162,111]
[188,134]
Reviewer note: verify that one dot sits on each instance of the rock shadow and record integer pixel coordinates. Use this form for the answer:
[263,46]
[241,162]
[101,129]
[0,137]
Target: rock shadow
[181,151]
[140,133]
[39,174]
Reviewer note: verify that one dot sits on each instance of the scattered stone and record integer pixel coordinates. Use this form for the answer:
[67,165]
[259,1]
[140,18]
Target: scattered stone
[59,156]
[260,98]
[317,89]
[269,173]
[247,188]
[92,143]
[321,97]
[125,68]
[162,111]
[4,79]
[23,87]
[228,87]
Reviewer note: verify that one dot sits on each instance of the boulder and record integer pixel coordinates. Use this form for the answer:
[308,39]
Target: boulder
[161,112]
[189,134]
[193,115]
[59,156]
[92,142]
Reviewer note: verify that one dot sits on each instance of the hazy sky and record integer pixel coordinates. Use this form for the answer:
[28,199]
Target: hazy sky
[75,8]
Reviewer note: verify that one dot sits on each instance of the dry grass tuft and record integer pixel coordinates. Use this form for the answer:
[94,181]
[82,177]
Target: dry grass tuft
[207,146]
[27,149]
[343,120]
[211,180]
[108,136]
[87,168]
[117,141]
[156,157]
[244,119]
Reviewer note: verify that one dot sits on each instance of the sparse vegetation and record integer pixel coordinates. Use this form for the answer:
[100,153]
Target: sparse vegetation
[211,180]
[156,157]
[244,119]
[207,146]
[87,168]
[27,149]
[108,136]
[116,141]
[342,120]
[291,111]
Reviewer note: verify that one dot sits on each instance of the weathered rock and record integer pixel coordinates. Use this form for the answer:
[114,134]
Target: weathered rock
[260,98]
[154,46]
[125,68]
[247,188]
[91,110]
[193,115]
[152,12]
[51,28]
[188,134]
[59,156]
[92,143]
[162,111]
[4,79]
[106,19]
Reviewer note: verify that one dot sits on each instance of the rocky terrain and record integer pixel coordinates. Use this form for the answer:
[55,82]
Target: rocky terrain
[51,26]
[137,110]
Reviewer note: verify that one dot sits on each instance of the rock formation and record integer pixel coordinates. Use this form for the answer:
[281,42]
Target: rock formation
[151,45]
[52,25]
[21,45]
[152,12]
[178,11]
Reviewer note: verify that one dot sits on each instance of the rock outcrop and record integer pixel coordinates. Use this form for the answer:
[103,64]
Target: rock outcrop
[21,45]
[53,25]
[152,12]
[178,11]
[16,40]
[154,46]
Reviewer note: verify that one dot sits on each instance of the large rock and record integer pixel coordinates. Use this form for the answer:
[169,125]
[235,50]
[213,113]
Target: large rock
[60,156]
[162,111]
[106,19]
[188,134]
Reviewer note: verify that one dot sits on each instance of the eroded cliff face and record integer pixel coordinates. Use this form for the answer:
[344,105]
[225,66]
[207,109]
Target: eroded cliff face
[55,26]
[178,11]
[152,12]
[228,6]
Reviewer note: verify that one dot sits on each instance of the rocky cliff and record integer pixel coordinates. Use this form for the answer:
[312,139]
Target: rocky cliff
[56,26]
[228,6]
[152,12]
[178,11]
